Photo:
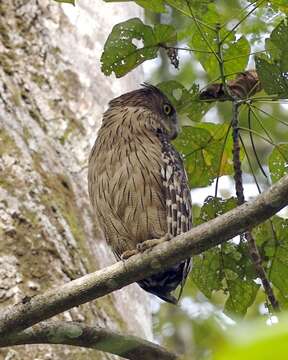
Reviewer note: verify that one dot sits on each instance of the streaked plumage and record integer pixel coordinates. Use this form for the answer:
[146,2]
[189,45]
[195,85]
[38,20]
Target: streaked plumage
[137,183]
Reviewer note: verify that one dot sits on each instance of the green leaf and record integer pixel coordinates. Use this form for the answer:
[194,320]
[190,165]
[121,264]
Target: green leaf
[278,273]
[155,5]
[180,5]
[121,51]
[236,55]
[206,58]
[279,36]
[273,80]
[226,266]
[185,102]
[164,34]
[272,241]
[273,68]
[204,157]
[215,206]
[278,162]
[206,272]
[242,294]
[206,10]
[66,1]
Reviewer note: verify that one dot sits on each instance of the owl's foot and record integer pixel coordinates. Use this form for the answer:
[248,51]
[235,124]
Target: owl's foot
[149,244]
[127,254]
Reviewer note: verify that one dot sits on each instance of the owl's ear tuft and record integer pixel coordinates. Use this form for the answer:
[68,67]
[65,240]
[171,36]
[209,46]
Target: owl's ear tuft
[152,88]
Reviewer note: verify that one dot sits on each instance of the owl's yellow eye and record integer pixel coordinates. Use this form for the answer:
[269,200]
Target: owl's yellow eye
[167,109]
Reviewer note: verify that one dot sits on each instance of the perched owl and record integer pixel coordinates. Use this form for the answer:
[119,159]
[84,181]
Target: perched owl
[137,183]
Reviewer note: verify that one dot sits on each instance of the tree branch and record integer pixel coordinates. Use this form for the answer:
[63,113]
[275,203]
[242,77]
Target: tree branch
[93,337]
[245,84]
[102,282]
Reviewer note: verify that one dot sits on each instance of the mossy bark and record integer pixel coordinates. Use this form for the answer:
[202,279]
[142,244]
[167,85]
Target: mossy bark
[52,95]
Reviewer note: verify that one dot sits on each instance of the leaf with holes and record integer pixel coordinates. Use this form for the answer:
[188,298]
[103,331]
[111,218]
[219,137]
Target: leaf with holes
[278,162]
[206,271]
[242,294]
[205,154]
[273,67]
[273,80]
[226,267]
[131,43]
[215,206]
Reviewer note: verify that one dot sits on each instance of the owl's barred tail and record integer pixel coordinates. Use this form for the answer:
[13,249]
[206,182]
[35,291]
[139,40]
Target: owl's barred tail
[164,283]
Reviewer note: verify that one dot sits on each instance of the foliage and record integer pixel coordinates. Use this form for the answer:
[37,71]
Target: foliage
[218,40]
[222,39]
[204,154]
[273,67]
[122,53]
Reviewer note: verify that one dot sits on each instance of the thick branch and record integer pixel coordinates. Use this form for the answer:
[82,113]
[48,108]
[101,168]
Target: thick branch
[103,282]
[93,337]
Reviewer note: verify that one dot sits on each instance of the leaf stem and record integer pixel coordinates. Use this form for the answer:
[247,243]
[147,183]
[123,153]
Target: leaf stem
[240,56]
[201,31]
[221,64]
[240,21]
[185,49]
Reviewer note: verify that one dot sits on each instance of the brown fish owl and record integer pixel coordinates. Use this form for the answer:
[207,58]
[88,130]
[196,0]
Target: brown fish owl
[137,182]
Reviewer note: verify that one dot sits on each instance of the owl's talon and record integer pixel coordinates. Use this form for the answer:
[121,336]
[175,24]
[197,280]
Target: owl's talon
[149,244]
[127,254]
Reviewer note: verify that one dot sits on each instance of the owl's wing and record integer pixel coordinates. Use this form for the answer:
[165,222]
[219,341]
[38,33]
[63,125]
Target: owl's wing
[178,197]
[179,219]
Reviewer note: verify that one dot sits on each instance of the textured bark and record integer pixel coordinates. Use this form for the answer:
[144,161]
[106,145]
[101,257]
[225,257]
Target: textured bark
[52,95]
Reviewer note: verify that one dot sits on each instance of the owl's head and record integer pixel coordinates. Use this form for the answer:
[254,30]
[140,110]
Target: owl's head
[152,99]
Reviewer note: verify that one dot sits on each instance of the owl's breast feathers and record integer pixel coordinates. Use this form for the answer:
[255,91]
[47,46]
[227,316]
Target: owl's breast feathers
[138,189]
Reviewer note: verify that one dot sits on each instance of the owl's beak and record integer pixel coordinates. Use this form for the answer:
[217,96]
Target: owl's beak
[174,131]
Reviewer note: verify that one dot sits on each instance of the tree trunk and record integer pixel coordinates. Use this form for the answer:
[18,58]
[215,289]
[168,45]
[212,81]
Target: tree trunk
[52,96]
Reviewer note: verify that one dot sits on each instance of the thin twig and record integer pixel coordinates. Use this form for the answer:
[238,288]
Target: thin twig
[269,115]
[244,55]
[270,220]
[253,250]
[185,49]
[236,155]
[268,135]
[221,64]
[258,134]
[242,11]
[201,32]
[240,21]
[256,258]
[253,144]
